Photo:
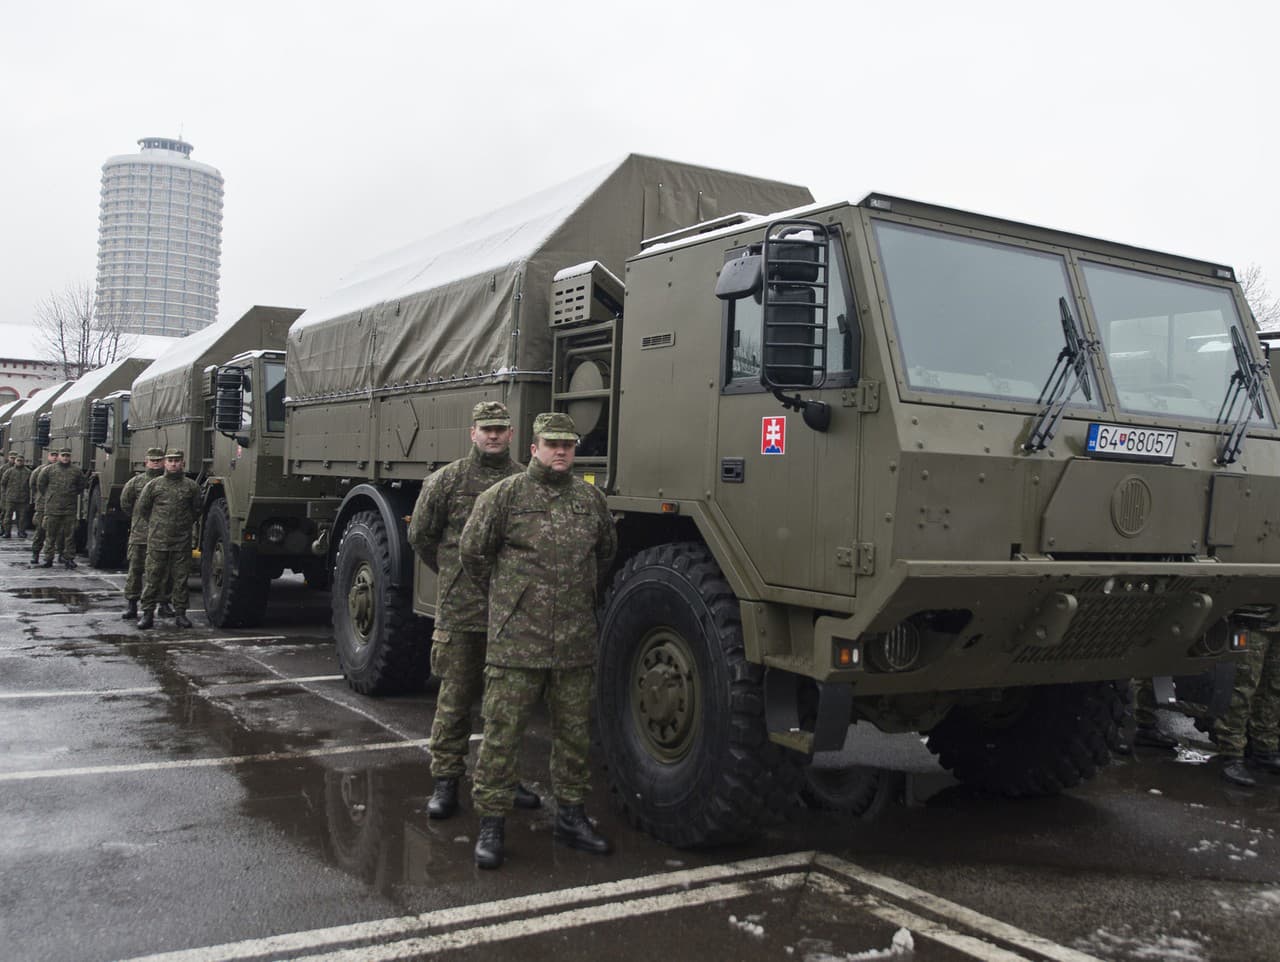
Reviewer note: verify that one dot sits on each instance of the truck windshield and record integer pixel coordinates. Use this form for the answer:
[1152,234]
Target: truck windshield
[273,395]
[1167,341]
[972,316]
[124,419]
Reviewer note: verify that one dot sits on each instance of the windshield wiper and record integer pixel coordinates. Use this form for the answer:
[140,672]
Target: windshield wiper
[1069,372]
[1243,392]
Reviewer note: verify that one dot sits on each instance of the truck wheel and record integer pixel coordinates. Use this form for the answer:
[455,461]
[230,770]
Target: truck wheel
[100,555]
[235,591]
[362,829]
[1035,741]
[858,790]
[383,647]
[681,710]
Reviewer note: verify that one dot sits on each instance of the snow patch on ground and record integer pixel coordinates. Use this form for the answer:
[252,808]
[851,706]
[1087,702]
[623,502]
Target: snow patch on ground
[1156,947]
[1263,902]
[1234,852]
[751,925]
[1189,756]
[819,950]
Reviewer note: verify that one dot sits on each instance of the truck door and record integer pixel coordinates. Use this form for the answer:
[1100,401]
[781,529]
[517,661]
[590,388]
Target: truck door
[788,492]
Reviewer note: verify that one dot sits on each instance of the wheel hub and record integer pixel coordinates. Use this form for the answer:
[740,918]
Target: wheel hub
[665,695]
[360,604]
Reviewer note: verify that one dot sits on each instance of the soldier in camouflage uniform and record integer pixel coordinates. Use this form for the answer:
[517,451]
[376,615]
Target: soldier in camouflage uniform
[541,542]
[1254,716]
[37,497]
[10,458]
[169,506]
[15,490]
[138,533]
[462,609]
[61,484]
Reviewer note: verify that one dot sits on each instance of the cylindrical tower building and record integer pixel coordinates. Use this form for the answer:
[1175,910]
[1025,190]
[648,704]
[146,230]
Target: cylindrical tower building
[159,240]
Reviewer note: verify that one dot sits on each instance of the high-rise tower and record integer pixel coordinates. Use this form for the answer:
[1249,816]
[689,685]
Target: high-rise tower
[159,240]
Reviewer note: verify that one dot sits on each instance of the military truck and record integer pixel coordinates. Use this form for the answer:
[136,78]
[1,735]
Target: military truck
[28,431]
[6,412]
[101,526]
[256,521]
[886,462]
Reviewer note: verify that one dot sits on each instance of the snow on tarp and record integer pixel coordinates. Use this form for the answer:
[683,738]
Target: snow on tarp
[447,305]
[169,390]
[72,409]
[8,408]
[38,400]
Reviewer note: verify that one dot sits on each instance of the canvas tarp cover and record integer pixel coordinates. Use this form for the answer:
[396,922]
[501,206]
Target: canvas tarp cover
[8,409]
[23,420]
[447,306]
[70,413]
[169,390]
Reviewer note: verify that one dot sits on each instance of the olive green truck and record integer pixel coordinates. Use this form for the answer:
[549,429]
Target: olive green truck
[884,462]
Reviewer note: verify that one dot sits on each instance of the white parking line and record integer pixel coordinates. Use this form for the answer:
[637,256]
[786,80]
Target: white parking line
[33,775]
[480,912]
[154,689]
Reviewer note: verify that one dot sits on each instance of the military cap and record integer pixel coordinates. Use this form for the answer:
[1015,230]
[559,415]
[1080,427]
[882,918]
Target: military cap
[174,453]
[555,426]
[19,457]
[491,414]
[66,451]
[155,454]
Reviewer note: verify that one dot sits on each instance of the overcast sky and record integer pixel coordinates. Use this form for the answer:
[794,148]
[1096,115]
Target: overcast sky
[347,129]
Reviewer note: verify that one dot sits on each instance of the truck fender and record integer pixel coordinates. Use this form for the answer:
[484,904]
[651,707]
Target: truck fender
[392,505]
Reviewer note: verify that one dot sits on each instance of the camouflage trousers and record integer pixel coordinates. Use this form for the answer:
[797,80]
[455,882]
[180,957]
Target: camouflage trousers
[1254,715]
[160,567]
[457,659]
[510,695]
[37,539]
[60,530]
[15,510]
[138,567]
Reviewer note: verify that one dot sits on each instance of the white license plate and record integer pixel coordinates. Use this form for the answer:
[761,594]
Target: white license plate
[1119,441]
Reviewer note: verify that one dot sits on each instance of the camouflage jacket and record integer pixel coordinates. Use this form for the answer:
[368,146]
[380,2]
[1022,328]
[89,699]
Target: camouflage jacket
[37,496]
[443,507]
[4,479]
[542,545]
[169,506]
[129,500]
[60,485]
[15,486]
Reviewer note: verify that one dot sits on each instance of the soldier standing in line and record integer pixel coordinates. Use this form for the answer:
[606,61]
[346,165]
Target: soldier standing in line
[138,533]
[541,543]
[16,491]
[1254,716]
[169,506]
[462,609]
[37,496]
[10,458]
[61,485]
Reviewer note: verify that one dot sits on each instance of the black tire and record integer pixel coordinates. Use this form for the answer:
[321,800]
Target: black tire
[383,647]
[693,766]
[235,590]
[858,790]
[361,830]
[1036,741]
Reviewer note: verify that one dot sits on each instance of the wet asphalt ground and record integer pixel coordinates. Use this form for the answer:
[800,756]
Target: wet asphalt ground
[214,794]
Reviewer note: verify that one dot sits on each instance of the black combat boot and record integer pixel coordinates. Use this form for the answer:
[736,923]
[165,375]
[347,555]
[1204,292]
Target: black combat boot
[489,844]
[444,799]
[1151,737]
[46,563]
[131,613]
[147,620]
[574,829]
[1267,761]
[165,610]
[35,558]
[180,620]
[68,563]
[1233,770]
[525,798]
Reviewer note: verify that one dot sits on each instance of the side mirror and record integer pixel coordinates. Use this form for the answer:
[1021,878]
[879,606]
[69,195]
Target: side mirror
[42,431]
[228,400]
[795,306]
[741,277]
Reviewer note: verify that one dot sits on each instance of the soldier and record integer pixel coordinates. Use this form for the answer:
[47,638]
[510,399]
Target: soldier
[37,496]
[4,478]
[169,506]
[138,533]
[15,490]
[541,543]
[462,609]
[1254,715]
[61,485]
